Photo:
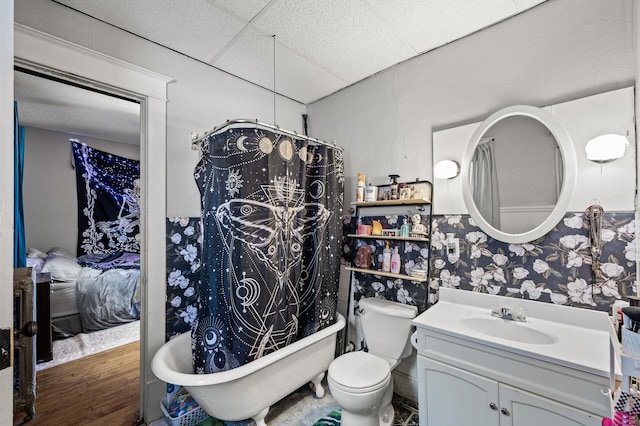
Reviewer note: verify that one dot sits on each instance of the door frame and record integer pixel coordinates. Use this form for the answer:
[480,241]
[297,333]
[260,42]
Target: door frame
[6,199]
[51,55]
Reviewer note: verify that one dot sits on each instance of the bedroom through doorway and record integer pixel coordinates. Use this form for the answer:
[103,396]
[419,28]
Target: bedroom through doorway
[73,131]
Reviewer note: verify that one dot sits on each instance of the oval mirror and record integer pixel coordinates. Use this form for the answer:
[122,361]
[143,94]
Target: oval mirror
[518,174]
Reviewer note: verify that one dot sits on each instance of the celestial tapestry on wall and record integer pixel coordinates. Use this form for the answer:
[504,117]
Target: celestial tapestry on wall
[108,188]
[271,212]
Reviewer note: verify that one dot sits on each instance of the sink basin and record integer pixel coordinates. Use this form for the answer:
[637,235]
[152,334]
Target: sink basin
[509,330]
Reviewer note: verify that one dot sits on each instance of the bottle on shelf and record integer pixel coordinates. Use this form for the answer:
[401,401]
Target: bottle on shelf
[386,259]
[360,189]
[404,229]
[395,261]
[394,186]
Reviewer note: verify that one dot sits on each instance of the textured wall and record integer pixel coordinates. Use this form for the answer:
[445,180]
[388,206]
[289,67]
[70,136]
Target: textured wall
[48,160]
[560,50]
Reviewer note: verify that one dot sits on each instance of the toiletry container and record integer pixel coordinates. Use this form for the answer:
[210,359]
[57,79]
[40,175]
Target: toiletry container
[394,186]
[360,188]
[386,259]
[371,193]
[404,229]
[361,382]
[395,261]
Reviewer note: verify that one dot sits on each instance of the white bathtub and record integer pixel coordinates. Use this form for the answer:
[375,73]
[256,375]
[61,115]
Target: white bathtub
[249,390]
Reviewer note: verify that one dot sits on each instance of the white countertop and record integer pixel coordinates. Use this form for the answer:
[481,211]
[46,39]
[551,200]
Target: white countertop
[579,338]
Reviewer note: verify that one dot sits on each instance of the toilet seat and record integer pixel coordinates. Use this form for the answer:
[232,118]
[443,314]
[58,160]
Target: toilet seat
[359,372]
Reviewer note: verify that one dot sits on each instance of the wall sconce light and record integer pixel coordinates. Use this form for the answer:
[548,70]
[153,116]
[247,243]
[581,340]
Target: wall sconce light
[446,169]
[606,148]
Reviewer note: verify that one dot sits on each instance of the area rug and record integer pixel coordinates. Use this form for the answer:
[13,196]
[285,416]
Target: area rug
[85,344]
[331,419]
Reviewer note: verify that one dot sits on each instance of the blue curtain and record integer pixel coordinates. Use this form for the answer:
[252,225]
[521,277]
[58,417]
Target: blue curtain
[19,240]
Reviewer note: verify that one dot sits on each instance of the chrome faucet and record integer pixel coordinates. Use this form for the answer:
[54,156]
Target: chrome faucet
[512,314]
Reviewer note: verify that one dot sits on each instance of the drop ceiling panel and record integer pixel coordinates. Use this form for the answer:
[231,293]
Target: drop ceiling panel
[251,57]
[425,25]
[245,9]
[327,44]
[343,37]
[195,27]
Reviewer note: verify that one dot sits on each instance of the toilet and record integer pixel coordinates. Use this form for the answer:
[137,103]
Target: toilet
[361,382]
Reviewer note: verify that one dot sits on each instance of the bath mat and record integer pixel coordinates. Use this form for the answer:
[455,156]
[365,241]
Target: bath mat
[210,421]
[331,419]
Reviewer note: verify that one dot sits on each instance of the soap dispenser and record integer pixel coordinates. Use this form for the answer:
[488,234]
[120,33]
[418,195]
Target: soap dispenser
[404,229]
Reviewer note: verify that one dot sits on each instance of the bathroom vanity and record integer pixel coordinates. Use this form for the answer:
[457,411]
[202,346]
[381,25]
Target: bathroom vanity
[478,369]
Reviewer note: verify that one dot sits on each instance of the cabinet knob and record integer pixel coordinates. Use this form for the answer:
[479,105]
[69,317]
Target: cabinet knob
[493,406]
[505,412]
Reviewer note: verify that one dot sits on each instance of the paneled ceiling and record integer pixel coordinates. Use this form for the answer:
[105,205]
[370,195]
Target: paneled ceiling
[321,46]
[315,47]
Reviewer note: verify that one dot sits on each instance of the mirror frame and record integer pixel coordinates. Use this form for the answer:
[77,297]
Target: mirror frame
[569,160]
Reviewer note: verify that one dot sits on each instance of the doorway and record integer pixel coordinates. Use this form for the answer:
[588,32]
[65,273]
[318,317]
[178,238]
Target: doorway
[54,112]
[50,55]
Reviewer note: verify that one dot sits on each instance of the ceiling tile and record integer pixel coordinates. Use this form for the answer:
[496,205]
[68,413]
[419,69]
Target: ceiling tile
[251,57]
[245,9]
[343,37]
[427,25]
[194,27]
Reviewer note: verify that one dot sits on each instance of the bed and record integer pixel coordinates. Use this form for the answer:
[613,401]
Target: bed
[91,292]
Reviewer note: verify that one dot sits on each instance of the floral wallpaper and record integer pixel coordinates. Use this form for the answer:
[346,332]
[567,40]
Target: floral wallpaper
[555,268]
[412,255]
[184,239]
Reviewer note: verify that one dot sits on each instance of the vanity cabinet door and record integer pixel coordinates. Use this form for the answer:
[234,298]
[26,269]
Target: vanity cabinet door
[450,396]
[526,409]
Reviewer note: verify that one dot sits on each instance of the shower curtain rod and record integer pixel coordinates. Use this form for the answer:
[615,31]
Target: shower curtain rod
[196,139]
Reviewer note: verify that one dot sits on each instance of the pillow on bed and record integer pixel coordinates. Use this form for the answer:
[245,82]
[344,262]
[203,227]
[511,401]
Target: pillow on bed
[62,268]
[35,253]
[60,252]
[35,263]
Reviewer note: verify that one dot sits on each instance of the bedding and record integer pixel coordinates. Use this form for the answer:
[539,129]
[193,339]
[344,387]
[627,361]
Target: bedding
[92,292]
[107,298]
[62,268]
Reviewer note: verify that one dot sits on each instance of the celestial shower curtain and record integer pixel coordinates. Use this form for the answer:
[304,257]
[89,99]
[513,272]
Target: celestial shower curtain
[108,188]
[271,207]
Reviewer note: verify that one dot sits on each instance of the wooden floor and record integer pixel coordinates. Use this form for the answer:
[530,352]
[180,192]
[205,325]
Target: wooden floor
[101,389]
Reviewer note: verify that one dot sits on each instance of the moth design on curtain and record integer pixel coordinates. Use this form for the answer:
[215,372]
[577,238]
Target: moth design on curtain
[108,188]
[271,207]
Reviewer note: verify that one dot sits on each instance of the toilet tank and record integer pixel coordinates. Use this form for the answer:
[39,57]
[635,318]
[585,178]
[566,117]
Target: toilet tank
[386,326]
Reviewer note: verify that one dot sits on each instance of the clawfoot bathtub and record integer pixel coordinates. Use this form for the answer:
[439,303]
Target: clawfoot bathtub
[249,390]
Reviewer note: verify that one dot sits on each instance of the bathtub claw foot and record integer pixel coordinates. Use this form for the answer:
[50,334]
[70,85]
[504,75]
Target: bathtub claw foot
[317,385]
[259,418]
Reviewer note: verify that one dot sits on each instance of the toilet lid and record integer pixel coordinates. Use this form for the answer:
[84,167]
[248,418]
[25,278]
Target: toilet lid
[359,371]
